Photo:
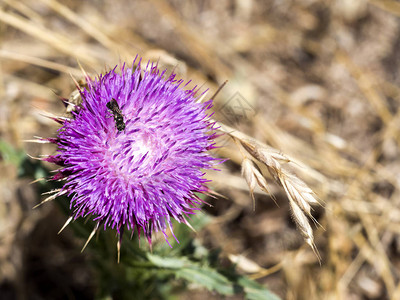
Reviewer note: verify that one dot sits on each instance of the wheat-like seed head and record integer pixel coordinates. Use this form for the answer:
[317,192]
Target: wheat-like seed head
[301,197]
[253,176]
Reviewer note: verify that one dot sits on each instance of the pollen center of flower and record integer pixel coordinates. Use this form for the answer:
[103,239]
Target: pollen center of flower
[137,156]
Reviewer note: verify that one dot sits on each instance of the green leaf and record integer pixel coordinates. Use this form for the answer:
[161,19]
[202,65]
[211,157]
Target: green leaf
[208,278]
[183,233]
[255,291]
[10,154]
[170,263]
[199,220]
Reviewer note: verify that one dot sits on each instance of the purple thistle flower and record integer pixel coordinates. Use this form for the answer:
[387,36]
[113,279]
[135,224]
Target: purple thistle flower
[134,152]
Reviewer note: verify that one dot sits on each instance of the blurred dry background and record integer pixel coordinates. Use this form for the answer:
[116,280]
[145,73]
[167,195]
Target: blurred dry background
[317,80]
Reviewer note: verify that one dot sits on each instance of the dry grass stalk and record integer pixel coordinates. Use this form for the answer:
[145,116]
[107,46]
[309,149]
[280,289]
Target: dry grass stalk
[301,197]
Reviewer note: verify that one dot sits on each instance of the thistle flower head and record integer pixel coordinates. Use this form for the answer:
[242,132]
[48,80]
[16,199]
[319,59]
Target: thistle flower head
[133,154]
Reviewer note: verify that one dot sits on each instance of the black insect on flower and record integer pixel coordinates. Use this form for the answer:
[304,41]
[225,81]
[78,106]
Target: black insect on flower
[117,113]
